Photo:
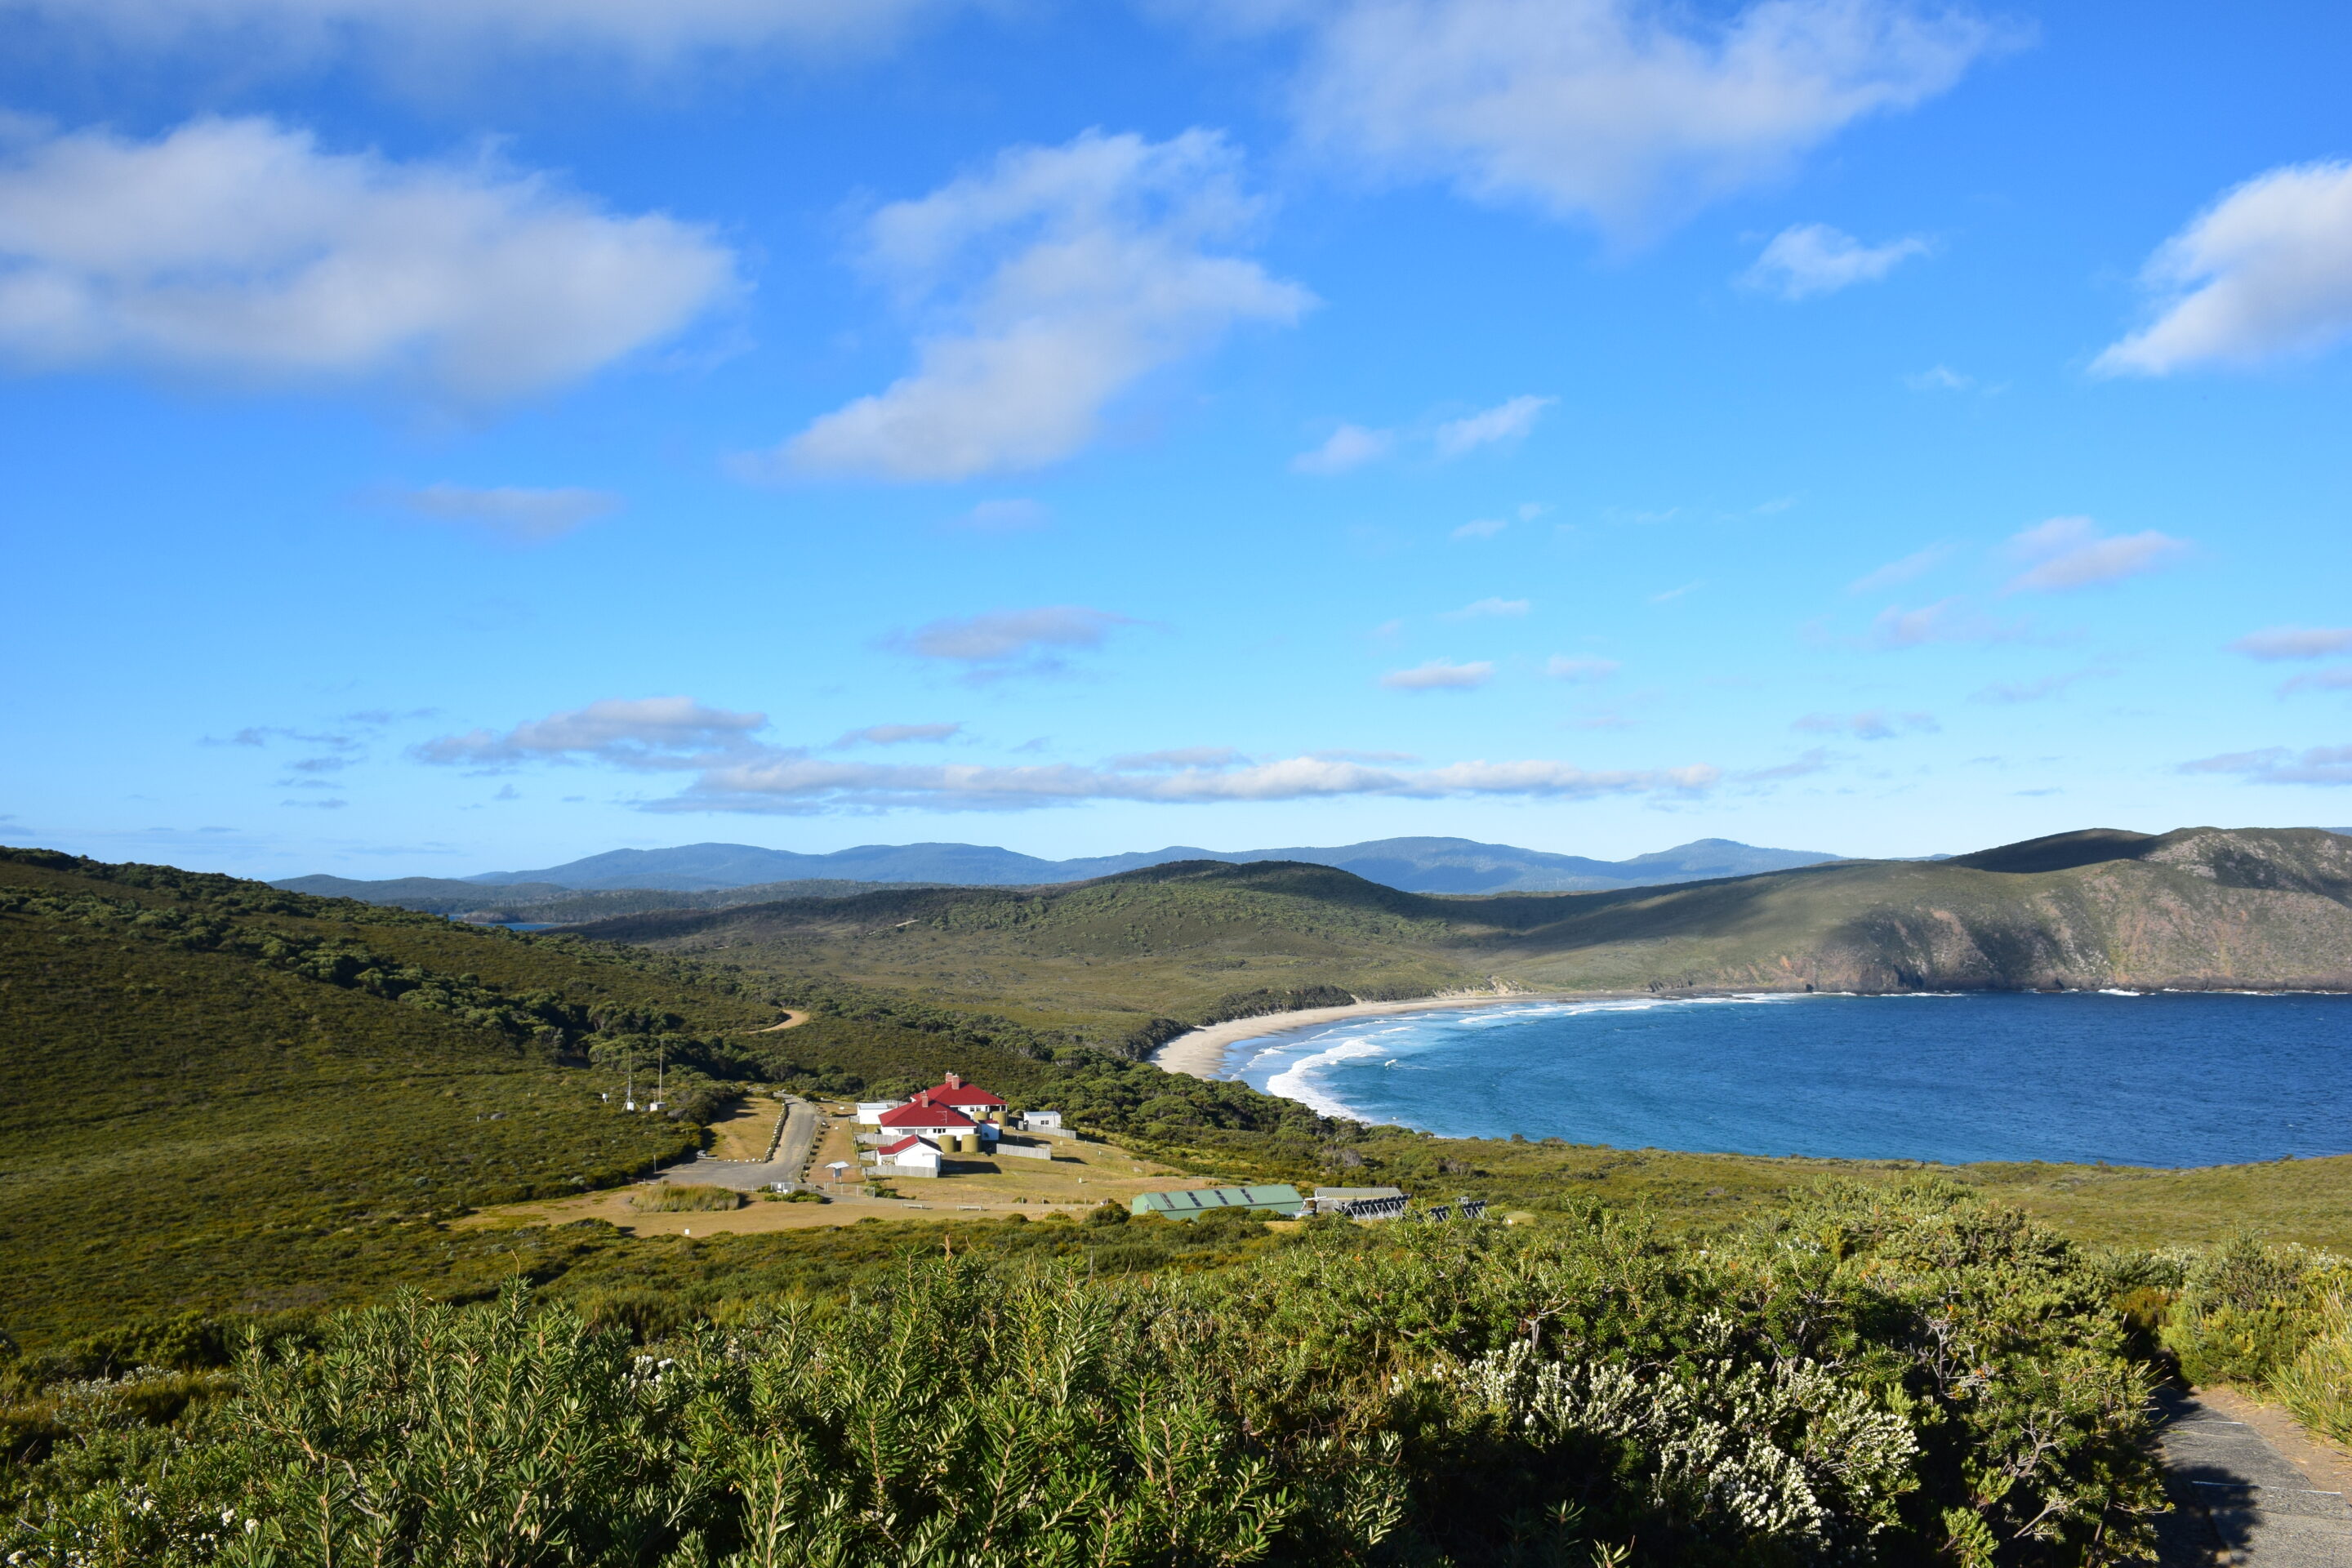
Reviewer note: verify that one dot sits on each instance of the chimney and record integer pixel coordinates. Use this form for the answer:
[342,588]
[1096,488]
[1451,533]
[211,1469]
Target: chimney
[955,1081]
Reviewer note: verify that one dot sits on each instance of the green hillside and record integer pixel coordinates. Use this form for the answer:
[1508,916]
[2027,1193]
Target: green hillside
[220,1096]
[215,1094]
[1200,941]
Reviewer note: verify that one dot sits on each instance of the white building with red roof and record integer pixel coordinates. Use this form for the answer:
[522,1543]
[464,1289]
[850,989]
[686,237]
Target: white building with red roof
[910,1156]
[925,1119]
[976,1103]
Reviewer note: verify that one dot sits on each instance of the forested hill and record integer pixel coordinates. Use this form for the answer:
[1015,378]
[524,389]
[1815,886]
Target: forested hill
[2198,907]
[218,1096]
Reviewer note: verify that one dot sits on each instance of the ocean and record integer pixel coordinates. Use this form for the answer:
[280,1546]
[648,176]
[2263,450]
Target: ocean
[2155,1079]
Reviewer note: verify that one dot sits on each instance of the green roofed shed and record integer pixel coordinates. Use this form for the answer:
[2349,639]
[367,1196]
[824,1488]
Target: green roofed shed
[1281,1198]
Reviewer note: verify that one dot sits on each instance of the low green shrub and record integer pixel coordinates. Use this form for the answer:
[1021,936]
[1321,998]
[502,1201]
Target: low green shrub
[684,1198]
[2243,1313]
[2318,1384]
[1903,1377]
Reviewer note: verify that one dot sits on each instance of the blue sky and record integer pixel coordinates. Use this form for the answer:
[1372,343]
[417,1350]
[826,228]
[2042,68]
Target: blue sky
[443,437]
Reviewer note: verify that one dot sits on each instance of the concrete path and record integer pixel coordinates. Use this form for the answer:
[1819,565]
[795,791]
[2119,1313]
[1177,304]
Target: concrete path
[746,1175]
[2237,1499]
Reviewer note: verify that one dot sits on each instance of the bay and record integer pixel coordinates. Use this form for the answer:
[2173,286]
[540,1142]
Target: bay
[2160,1078]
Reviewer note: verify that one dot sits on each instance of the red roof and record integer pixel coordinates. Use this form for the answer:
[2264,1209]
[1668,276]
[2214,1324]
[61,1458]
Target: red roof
[902,1145]
[963,1094]
[919,1114]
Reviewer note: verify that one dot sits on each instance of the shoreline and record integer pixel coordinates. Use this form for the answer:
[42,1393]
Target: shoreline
[1202,1053]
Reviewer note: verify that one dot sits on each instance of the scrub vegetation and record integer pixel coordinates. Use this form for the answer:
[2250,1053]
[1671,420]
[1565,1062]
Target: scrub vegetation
[238,1121]
[1899,1376]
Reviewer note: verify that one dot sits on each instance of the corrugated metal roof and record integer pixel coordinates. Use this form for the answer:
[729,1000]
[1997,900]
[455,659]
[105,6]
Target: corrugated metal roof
[1194,1200]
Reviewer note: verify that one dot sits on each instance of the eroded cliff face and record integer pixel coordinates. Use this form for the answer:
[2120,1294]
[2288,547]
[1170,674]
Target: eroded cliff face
[2198,909]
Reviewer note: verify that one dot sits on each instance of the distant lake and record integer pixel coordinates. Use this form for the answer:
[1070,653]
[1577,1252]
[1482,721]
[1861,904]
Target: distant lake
[2161,1078]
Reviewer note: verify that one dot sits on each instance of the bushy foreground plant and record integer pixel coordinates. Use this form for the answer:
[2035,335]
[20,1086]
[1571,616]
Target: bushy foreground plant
[1899,1380]
[2274,1319]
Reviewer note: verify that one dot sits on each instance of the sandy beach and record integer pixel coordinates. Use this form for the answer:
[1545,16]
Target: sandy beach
[1202,1053]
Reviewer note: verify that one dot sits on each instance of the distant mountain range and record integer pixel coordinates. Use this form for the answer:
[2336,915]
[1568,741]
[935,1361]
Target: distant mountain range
[2199,908]
[1409,865]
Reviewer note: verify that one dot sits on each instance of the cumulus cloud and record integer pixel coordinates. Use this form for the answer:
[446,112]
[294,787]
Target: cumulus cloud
[2070,552]
[1439,674]
[1481,528]
[2266,271]
[1094,267]
[238,250]
[2337,680]
[641,733]
[2293,642]
[1813,258]
[797,784]
[1349,447]
[523,515]
[2281,765]
[1505,422]
[1627,113]
[1577,670]
[655,33]
[1873,724]
[898,734]
[1485,609]
[1001,642]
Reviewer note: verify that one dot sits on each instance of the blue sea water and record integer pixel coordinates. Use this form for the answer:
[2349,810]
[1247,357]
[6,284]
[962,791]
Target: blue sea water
[2160,1079]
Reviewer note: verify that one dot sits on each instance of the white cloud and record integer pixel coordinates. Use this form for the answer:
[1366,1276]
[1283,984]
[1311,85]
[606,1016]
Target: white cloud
[798,785]
[2070,552]
[1439,674]
[2281,765]
[1814,258]
[2337,680]
[237,250]
[527,515]
[1481,528]
[1915,564]
[1577,670]
[2294,642]
[1485,609]
[1011,641]
[1628,114]
[1093,268]
[1505,422]
[2265,271]
[647,732]
[259,28]
[1349,447]
[898,734]
[1874,724]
